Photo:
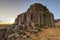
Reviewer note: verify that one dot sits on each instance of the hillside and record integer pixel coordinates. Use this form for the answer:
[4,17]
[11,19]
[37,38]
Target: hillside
[46,34]
[37,23]
[57,22]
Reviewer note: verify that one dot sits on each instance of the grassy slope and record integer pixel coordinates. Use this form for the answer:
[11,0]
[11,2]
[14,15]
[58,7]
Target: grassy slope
[46,34]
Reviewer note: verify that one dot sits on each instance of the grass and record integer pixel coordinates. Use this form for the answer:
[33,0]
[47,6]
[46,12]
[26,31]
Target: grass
[46,34]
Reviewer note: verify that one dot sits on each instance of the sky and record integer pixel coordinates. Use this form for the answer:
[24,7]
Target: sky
[9,9]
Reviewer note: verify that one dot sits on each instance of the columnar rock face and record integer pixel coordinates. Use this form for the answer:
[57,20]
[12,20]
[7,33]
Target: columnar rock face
[37,14]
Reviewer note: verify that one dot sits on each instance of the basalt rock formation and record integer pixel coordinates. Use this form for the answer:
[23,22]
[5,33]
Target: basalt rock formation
[37,14]
[36,17]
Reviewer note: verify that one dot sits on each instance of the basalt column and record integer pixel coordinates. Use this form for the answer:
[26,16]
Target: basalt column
[42,19]
[37,14]
[52,20]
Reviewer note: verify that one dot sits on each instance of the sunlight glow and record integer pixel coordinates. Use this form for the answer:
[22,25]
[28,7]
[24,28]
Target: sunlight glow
[11,21]
[7,22]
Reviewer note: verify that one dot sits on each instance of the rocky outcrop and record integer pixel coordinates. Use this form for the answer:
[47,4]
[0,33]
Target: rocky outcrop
[36,17]
[57,20]
[57,23]
[37,14]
